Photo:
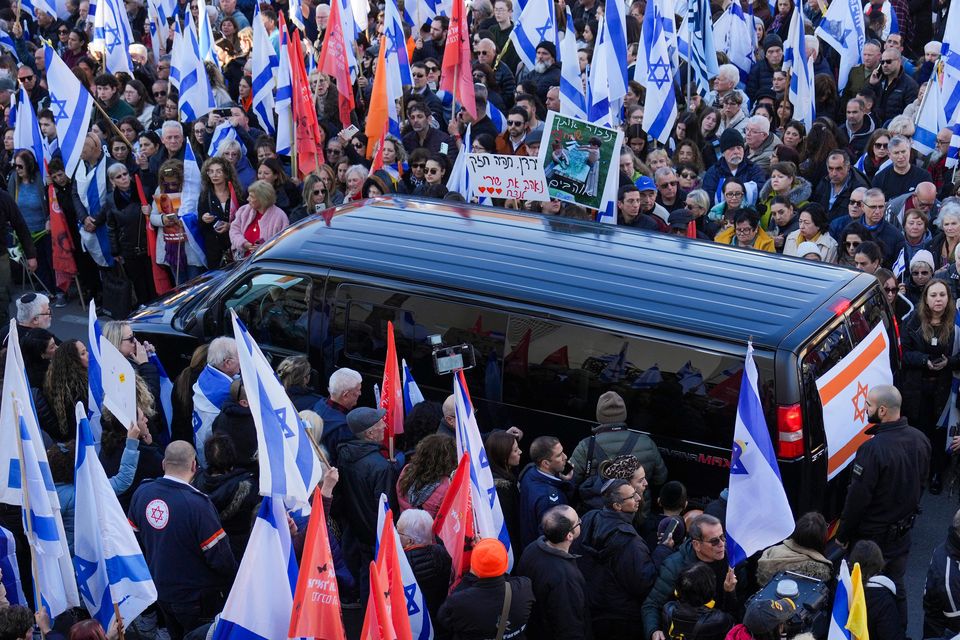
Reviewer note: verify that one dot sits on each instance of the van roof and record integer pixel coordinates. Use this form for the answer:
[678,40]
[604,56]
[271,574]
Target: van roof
[606,271]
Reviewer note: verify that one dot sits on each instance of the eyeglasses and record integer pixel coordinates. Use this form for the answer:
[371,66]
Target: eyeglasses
[855,203]
[873,207]
[920,273]
[691,205]
[887,61]
[922,204]
[418,165]
[29,78]
[742,231]
[688,176]
[670,183]
[159,94]
[418,75]
[715,542]
[433,170]
[635,496]
[130,338]
[63,32]
[515,123]
[735,194]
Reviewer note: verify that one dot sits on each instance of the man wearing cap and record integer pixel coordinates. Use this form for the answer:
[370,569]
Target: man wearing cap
[560,611]
[764,619]
[545,72]
[474,608]
[628,207]
[761,75]
[612,438]
[733,164]
[365,474]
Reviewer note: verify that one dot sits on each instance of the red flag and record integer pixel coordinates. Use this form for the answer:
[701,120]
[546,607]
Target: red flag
[305,124]
[454,521]
[378,117]
[559,358]
[692,229]
[377,623]
[316,603]
[161,277]
[64,265]
[389,565]
[333,62]
[456,75]
[517,361]
[391,393]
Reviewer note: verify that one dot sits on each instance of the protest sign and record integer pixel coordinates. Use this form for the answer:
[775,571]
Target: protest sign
[580,160]
[511,177]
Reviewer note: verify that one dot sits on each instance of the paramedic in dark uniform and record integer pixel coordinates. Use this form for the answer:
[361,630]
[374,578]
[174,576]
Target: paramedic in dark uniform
[886,483]
[183,542]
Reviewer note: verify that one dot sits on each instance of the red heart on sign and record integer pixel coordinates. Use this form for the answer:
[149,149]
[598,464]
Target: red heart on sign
[499,191]
[481,189]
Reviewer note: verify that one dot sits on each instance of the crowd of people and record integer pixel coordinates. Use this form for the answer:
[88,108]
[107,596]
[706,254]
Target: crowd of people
[851,190]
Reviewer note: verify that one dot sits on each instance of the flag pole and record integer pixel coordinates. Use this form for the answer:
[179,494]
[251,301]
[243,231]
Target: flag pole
[113,125]
[116,612]
[686,90]
[38,601]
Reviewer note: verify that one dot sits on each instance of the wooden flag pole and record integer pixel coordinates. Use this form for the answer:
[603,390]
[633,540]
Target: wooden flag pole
[116,612]
[113,125]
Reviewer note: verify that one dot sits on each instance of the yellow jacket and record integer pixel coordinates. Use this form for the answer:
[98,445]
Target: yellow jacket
[763,241]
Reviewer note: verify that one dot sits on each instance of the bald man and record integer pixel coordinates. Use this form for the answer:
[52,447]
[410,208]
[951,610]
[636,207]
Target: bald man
[183,543]
[924,197]
[486,53]
[887,479]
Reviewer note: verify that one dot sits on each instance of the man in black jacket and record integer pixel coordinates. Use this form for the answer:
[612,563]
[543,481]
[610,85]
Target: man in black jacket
[895,89]
[11,219]
[886,482]
[941,609]
[560,611]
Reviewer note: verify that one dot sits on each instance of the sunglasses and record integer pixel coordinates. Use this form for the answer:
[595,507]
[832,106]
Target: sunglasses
[891,289]
[920,273]
[715,542]
[671,183]
[130,338]
[515,123]
[879,145]
[433,170]
[887,61]
[418,75]
[19,166]
[688,176]
[27,78]
[122,175]
[432,69]
[855,203]
[418,165]
[159,94]
[319,192]
[853,245]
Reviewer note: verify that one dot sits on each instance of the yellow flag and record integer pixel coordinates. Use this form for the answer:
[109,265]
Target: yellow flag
[857,620]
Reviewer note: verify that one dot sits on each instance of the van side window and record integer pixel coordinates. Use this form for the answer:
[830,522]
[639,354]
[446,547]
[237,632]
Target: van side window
[826,353]
[273,306]
[670,390]
[868,315]
[362,314]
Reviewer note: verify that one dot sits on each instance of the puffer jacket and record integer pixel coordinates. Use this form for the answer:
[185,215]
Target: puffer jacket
[799,195]
[431,568]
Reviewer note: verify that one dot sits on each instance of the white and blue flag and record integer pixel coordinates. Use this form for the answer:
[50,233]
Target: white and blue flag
[110,566]
[224,133]
[283,101]
[261,598]
[615,17]
[655,71]
[113,36]
[841,604]
[71,105]
[265,64]
[396,55]
[10,570]
[417,13]
[289,467]
[800,66]
[496,117]
[931,117]
[196,94]
[734,35]
[535,24]
[206,39]
[94,372]
[842,27]
[420,626]
[599,109]
[91,185]
[573,96]
[296,15]
[175,71]
[189,198]
[754,478]
[210,392]
[166,394]
[47,6]
[411,392]
[26,132]
[702,53]
[459,179]
[7,43]
[483,492]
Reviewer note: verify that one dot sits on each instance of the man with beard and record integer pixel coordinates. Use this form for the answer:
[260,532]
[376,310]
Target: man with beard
[886,482]
[545,72]
[937,162]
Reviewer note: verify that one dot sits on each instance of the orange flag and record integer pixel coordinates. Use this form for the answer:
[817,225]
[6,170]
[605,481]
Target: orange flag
[692,229]
[391,392]
[456,75]
[316,602]
[389,565]
[454,521]
[333,62]
[377,114]
[306,125]
[377,623]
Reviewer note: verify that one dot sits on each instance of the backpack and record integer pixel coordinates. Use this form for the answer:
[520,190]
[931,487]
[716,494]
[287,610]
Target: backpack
[589,490]
[687,622]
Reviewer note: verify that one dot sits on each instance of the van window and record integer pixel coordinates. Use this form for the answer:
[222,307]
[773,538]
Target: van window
[670,389]
[273,307]
[362,315]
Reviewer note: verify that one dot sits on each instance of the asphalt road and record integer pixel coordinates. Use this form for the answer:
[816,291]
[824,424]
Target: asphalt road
[929,531]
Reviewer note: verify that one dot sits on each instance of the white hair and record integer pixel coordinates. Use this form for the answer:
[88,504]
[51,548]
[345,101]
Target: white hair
[812,42]
[417,525]
[27,311]
[357,170]
[343,380]
[949,209]
[759,122]
[171,125]
[137,48]
[220,350]
[933,46]
[729,72]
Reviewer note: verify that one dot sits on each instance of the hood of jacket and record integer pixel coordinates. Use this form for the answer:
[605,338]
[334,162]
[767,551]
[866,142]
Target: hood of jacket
[800,191]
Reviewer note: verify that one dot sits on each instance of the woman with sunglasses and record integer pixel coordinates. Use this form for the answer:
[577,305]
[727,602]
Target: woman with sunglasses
[875,153]
[128,236]
[30,194]
[852,236]
[121,335]
[221,194]
[435,174]
[893,292]
[921,270]
[315,198]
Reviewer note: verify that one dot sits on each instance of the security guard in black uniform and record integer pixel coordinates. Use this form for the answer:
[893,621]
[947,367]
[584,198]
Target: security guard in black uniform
[886,483]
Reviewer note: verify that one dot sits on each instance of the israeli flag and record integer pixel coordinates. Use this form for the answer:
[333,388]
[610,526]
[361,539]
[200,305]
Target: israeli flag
[616,41]
[10,570]
[535,24]
[296,15]
[189,197]
[573,97]
[349,18]
[842,27]
[54,579]
[900,265]
[265,64]
[113,36]
[166,394]
[411,392]
[206,38]
[261,599]
[196,94]
[801,77]
[224,133]
[47,6]
[26,132]
[930,118]
[396,55]
[734,36]
[94,371]
[754,478]
[110,566]
[702,55]
[92,189]
[210,392]
[289,467]
[420,625]
[175,71]
[483,492]
[284,98]
[598,90]
[496,117]
[157,42]
[459,179]
[417,13]
[655,66]
[71,104]
[6,41]
[841,605]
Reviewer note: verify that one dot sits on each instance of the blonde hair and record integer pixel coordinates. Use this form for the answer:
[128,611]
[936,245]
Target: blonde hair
[264,192]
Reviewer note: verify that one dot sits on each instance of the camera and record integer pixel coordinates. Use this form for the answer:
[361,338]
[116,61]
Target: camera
[453,358]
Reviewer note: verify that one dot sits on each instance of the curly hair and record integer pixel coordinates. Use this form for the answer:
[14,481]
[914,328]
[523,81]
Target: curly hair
[620,468]
[65,385]
[434,459]
[60,457]
[229,174]
[293,371]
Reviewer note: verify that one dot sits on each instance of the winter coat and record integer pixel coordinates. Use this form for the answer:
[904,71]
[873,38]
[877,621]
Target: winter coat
[508,493]
[720,172]
[893,97]
[760,78]
[888,617]
[825,242]
[917,378]
[789,556]
[538,493]
[274,221]
[762,156]
[303,398]
[610,439]
[236,497]
[840,206]
[126,226]
[799,195]
[889,238]
[429,497]
[431,566]
[236,422]
[149,466]
[763,241]
[941,607]
[560,611]
[935,246]
[364,475]
[472,611]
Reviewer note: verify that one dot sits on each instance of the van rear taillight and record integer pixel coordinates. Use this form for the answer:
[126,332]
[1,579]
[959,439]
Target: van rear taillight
[790,430]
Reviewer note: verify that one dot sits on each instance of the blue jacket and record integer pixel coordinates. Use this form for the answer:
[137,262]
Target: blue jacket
[335,429]
[538,493]
[720,173]
[889,238]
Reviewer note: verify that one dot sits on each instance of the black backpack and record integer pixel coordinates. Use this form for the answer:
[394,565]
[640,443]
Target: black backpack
[589,490]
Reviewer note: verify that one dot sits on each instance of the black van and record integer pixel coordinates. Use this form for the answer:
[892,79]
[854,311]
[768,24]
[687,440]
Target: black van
[558,312]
